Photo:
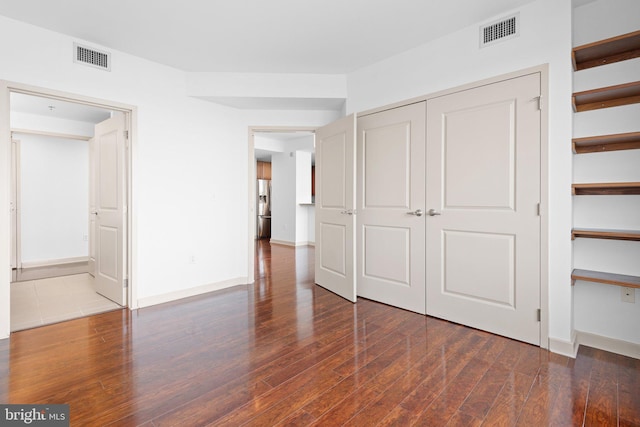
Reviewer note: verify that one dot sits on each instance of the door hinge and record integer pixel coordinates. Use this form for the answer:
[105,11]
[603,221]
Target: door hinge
[126,134]
[538,209]
[126,283]
[539,102]
[538,315]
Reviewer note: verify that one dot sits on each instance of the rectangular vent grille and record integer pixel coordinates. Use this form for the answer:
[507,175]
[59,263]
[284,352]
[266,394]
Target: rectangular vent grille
[504,29]
[92,57]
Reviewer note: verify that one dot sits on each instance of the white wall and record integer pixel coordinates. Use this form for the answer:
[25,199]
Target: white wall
[55,185]
[54,182]
[291,186]
[456,59]
[190,164]
[283,197]
[303,195]
[598,308]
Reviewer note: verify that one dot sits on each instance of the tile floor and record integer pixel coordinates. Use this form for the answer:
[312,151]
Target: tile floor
[40,302]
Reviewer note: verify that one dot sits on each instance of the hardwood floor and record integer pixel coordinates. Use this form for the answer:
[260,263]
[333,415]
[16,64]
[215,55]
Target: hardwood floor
[284,352]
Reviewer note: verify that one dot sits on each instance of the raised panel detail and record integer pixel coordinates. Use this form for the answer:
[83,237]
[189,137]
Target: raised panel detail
[108,252]
[386,254]
[386,166]
[479,266]
[333,178]
[479,157]
[108,170]
[333,248]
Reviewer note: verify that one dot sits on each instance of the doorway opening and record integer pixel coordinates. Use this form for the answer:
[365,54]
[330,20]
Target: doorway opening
[281,161]
[65,169]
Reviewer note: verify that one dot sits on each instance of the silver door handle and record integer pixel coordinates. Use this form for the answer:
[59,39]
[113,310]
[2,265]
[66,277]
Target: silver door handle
[94,213]
[348,212]
[433,212]
[418,212]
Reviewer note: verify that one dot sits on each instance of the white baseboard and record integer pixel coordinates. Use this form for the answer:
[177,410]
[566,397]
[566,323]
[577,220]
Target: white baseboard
[185,293]
[292,244]
[613,345]
[281,242]
[53,262]
[563,347]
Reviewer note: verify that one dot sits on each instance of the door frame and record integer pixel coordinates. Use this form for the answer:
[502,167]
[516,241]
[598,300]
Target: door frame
[130,111]
[16,248]
[251,188]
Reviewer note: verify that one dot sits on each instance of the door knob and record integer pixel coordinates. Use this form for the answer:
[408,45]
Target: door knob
[433,212]
[418,212]
[348,212]
[94,213]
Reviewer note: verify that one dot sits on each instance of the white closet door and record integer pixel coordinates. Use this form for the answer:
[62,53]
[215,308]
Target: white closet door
[335,173]
[390,207]
[483,175]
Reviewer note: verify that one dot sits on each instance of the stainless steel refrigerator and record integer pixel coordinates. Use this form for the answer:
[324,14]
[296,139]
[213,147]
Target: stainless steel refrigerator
[264,208]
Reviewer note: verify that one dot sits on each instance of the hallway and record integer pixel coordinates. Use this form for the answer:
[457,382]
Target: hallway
[286,352]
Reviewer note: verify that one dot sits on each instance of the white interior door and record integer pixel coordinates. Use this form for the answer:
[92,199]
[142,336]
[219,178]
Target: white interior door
[110,197]
[483,175]
[335,202]
[390,204]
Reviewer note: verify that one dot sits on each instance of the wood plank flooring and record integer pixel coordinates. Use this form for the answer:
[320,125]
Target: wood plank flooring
[284,352]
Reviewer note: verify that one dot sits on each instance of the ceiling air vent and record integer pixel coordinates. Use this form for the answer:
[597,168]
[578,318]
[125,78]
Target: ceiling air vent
[92,57]
[503,29]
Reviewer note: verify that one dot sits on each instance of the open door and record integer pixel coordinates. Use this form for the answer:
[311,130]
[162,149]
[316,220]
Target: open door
[335,203]
[109,214]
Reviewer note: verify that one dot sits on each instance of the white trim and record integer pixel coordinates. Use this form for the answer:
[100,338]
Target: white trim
[292,244]
[51,134]
[566,348]
[612,345]
[282,242]
[52,262]
[186,293]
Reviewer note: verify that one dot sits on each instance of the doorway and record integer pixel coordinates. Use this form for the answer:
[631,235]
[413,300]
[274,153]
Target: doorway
[290,154]
[50,271]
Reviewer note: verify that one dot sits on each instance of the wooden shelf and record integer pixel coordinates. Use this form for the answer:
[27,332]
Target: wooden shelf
[606,278]
[614,49]
[605,97]
[614,142]
[606,188]
[592,233]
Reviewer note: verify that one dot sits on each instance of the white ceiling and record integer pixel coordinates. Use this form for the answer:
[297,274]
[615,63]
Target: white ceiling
[54,108]
[275,36]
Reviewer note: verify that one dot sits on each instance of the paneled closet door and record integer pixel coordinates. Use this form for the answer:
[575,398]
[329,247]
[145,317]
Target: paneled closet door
[335,198]
[483,175]
[391,207]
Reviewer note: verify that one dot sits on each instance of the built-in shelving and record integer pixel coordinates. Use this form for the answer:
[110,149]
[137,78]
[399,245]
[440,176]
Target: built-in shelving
[601,143]
[606,188]
[596,233]
[605,97]
[606,278]
[614,49]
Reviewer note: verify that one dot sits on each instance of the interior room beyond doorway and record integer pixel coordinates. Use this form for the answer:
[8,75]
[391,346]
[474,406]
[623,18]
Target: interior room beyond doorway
[52,231]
